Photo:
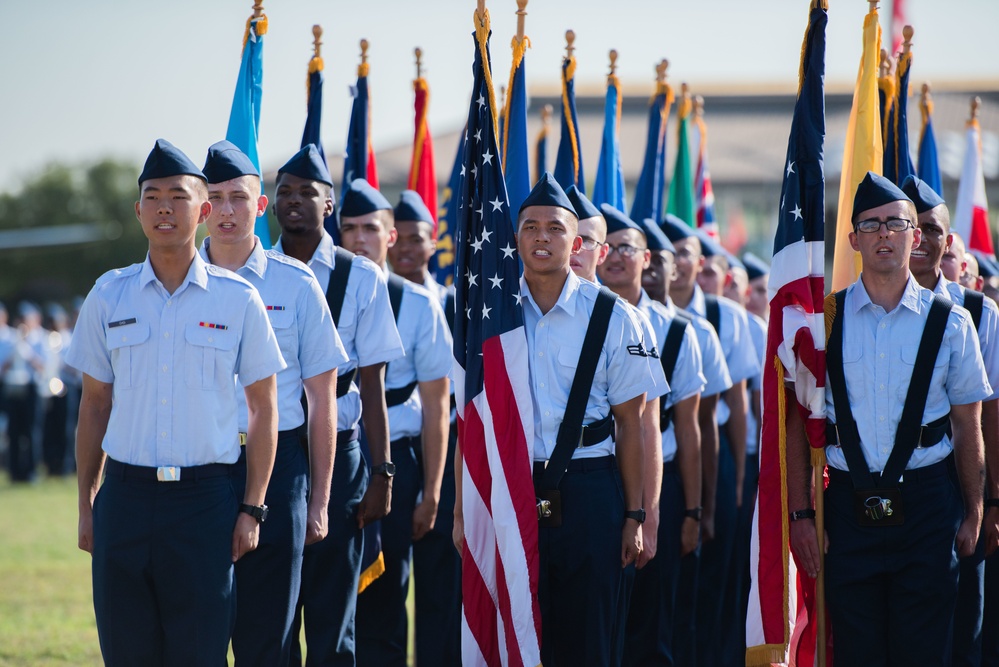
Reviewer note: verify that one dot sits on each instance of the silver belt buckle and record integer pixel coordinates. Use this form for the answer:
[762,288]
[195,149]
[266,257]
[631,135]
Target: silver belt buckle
[168,474]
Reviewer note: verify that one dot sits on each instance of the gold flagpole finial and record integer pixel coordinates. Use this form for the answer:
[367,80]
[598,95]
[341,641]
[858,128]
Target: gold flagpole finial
[698,106]
[480,11]
[873,4]
[364,51]
[884,66]
[570,38]
[317,39]
[546,115]
[258,8]
[926,90]
[976,104]
[685,91]
[418,52]
[661,68]
[521,14]
[907,33]
[613,61]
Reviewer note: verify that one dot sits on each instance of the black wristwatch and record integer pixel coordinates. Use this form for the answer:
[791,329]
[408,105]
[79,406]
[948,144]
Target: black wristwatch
[387,469]
[258,512]
[803,514]
[693,513]
[638,515]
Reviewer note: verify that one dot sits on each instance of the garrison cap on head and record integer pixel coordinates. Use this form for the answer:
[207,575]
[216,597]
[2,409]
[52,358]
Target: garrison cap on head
[676,229]
[167,160]
[26,308]
[654,237]
[308,164]
[987,266]
[547,192]
[733,261]
[755,267]
[921,194]
[617,221]
[412,209]
[875,191]
[360,198]
[583,206]
[225,162]
[709,247]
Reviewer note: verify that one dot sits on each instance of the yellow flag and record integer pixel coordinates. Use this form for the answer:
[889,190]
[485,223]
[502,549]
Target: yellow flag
[862,151]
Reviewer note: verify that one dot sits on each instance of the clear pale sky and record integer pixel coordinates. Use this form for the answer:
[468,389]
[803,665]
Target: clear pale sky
[84,79]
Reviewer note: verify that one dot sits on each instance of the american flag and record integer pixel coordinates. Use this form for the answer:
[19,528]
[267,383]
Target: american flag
[704,194]
[795,348]
[501,620]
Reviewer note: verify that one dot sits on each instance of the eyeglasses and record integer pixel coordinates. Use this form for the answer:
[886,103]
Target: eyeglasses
[624,250]
[893,225]
[590,244]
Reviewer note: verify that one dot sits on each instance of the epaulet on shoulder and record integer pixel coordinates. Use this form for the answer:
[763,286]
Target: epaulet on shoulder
[226,273]
[114,274]
[274,255]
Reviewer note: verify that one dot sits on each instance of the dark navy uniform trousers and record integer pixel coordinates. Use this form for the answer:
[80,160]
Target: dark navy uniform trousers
[330,569]
[382,622]
[437,579]
[268,578]
[162,567]
[580,567]
[891,590]
[649,637]
[967,629]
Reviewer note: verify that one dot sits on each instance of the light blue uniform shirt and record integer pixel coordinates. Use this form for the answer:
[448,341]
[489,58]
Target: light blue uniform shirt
[429,355]
[988,329]
[366,328]
[879,353]
[713,364]
[649,338]
[554,341]
[737,344]
[688,379]
[758,332]
[301,320]
[171,359]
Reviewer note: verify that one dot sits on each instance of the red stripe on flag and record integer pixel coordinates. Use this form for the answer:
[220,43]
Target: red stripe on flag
[478,607]
[981,237]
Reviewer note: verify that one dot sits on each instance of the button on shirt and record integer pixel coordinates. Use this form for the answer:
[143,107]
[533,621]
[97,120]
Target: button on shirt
[687,377]
[429,355]
[366,327]
[171,359]
[554,341]
[988,329]
[740,354]
[301,321]
[879,354]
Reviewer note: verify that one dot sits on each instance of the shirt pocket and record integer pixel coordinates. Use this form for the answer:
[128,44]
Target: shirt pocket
[568,362]
[209,357]
[125,346]
[283,324]
[908,355]
[855,373]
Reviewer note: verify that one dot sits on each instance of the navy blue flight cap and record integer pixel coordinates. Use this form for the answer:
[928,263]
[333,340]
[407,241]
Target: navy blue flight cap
[308,164]
[167,160]
[654,237]
[709,247]
[583,206]
[676,229]
[921,194]
[412,209]
[875,191]
[361,198]
[733,261]
[987,266]
[755,267]
[547,192]
[617,221]
[225,162]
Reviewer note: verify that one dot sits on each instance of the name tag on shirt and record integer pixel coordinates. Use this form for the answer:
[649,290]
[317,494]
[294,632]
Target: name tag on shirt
[121,323]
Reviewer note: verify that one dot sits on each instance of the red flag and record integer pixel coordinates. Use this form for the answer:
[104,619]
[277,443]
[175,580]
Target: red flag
[971,216]
[422,172]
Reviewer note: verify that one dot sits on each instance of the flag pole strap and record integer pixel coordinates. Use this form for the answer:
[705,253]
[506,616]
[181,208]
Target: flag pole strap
[820,581]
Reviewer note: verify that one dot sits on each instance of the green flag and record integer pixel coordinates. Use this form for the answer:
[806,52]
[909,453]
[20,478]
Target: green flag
[681,188]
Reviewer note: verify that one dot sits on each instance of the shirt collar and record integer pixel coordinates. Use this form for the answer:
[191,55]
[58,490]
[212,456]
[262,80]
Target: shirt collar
[941,286]
[697,304]
[197,274]
[566,300]
[323,254]
[256,262]
[857,296]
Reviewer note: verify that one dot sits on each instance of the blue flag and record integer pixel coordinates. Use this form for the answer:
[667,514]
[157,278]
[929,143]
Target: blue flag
[902,158]
[359,159]
[569,160]
[244,116]
[541,145]
[442,263]
[313,124]
[929,164]
[513,131]
[609,186]
[652,181]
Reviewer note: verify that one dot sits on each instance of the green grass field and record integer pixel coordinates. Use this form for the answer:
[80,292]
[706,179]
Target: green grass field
[46,604]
